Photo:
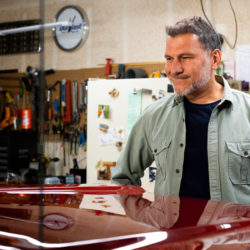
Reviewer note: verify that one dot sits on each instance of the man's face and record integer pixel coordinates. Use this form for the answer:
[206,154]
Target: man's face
[188,66]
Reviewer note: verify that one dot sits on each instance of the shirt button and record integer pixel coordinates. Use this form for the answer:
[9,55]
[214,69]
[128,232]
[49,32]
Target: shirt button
[177,171]
[181,145]
[245,153]
[155,150]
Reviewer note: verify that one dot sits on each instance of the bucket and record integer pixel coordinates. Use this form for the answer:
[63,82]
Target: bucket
[136,73]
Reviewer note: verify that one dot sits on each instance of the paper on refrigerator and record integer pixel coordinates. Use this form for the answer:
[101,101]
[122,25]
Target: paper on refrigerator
[134,109]
[111,136]
[243,62]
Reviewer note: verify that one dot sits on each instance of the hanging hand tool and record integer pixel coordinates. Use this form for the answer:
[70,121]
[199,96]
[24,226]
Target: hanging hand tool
[8,118]
[9,97]
[49,99]
[86,94]
[59,128]
[67,113]
[85,136]
[48,106]
[18,109]
[59,121]
[65,141]
[82,106]
[47,111]
[81,141]
[56,107]
[46,160]
[75,164]
[73,144]
[27,84]
[76,117]
[63,97]
[54,130]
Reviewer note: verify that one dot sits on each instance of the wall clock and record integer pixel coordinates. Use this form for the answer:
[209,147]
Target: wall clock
[70,37]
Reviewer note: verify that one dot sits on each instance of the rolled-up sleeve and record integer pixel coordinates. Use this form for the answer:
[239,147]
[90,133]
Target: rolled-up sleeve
[136,156]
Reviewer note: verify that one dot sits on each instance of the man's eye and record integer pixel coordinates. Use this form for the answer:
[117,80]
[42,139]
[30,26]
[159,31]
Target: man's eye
[169,59]
[186,58]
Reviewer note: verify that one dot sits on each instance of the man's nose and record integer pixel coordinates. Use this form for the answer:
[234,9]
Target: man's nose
[176,67]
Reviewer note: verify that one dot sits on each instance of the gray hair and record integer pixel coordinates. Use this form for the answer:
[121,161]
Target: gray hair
[208,37]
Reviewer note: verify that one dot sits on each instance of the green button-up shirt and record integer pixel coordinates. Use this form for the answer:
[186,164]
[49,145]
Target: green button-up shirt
[160,135]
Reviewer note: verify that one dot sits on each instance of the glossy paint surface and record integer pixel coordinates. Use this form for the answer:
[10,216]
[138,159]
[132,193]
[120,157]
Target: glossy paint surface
[117,217]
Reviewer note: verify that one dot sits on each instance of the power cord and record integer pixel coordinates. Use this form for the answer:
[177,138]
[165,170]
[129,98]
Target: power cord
[236,25]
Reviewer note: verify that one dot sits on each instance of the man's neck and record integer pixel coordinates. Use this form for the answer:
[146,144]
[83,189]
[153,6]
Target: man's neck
[212,92]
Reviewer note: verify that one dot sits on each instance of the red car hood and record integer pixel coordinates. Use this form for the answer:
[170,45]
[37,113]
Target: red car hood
[117,217]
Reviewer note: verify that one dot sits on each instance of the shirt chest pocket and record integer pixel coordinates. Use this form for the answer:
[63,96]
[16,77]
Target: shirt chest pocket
[239,162]
[161,149]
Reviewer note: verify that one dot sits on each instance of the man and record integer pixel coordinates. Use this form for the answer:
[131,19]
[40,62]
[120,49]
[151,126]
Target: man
[199,137]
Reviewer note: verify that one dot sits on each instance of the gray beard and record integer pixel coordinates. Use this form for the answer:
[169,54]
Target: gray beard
[205,76]
[196,85]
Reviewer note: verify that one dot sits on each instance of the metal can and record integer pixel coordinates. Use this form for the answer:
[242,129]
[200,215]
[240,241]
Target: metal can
[26,119]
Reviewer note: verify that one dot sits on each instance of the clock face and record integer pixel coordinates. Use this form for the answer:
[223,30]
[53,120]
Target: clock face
[71,37]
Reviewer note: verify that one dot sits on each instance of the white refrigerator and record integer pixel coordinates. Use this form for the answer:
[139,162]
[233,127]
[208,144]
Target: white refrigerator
[113,107]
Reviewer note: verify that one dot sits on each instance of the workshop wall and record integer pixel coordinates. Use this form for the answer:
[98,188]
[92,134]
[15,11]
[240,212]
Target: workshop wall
[124,30]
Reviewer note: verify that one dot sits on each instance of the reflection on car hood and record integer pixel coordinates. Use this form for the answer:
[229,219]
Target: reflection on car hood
[114,216]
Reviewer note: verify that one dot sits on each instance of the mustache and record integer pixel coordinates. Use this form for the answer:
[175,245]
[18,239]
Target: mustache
[179,76]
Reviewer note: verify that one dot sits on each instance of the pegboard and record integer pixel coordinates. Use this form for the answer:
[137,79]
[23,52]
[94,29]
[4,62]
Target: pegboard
[54,144]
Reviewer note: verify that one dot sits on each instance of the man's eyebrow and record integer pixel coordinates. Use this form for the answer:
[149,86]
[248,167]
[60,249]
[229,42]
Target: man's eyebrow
[186,54]
[180,55]
[167,56]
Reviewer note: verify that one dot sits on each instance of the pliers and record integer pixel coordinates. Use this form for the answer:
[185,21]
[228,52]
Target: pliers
[81,141]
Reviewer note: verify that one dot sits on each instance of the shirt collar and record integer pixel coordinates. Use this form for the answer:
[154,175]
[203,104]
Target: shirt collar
[227,98]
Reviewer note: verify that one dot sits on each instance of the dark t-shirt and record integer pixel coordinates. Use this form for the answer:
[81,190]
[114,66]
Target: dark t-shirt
[195,180]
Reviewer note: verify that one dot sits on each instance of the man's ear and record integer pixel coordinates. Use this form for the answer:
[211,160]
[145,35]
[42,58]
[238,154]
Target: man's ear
[216,58]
